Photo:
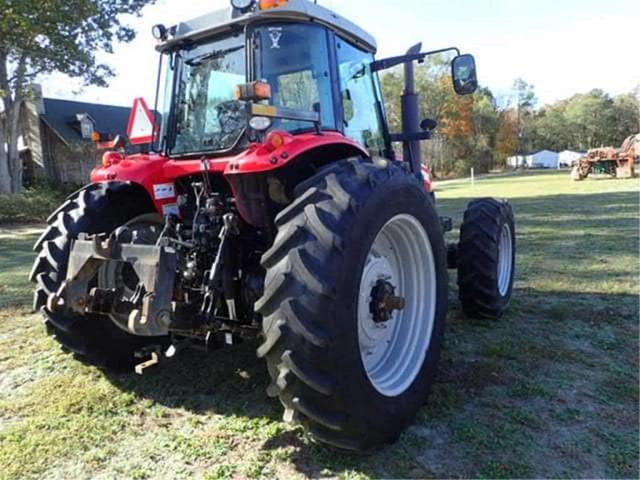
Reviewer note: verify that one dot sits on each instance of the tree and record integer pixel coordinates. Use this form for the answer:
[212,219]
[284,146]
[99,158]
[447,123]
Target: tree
[552,130]
[525,102]
[39,37]
[627,108]
[466,131]
[507,135]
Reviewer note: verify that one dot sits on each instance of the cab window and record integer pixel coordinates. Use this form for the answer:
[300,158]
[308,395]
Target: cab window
[361,113]
[294,60]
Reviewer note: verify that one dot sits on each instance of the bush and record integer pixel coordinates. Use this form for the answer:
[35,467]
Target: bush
[34,205]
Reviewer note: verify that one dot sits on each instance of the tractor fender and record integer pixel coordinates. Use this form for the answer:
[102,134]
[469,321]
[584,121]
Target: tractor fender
[118,191]
[249,177]
[281,149]
[246,173]
[156,175]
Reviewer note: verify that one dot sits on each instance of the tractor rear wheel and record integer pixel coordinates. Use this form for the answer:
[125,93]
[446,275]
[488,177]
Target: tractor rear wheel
[354,304]
[94,339]
[486,258]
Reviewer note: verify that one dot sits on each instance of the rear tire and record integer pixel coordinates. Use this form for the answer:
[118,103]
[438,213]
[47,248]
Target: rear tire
[486,258]
[98,208]
[312,318]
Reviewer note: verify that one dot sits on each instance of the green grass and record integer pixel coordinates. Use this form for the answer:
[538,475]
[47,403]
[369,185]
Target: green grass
[550,390]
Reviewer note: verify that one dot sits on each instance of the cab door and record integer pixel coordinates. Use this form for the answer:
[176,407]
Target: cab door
[361,112]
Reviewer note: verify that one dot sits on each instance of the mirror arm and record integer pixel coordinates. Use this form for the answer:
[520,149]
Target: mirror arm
[410,137]
[387,63]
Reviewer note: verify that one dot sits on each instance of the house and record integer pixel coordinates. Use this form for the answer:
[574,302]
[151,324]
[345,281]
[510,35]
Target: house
[56,136]
[539,159]
[568,158]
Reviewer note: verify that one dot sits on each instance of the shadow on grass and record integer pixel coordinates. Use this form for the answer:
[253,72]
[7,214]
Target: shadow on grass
[504,365]
[229,381]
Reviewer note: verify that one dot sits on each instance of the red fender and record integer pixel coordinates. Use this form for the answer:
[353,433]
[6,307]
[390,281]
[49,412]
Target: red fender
[282,148]
[157,173]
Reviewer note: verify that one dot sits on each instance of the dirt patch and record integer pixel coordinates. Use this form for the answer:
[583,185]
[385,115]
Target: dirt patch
[474,375]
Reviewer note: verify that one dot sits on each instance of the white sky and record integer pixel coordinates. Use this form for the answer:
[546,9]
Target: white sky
[562,47]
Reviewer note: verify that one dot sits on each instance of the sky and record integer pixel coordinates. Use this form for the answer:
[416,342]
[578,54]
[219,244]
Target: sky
[561,47]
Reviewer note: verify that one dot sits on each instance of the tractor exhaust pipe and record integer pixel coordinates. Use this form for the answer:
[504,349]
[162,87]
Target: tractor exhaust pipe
[411,113]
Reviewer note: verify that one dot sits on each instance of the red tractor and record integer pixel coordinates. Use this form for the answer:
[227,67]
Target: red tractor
[270,205]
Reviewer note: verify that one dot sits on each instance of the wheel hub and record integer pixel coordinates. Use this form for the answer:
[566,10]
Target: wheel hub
[384,301]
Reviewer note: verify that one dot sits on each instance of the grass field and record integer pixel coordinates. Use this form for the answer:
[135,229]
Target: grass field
[550,390]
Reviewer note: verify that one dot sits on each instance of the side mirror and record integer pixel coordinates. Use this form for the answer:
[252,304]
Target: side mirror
[463,71]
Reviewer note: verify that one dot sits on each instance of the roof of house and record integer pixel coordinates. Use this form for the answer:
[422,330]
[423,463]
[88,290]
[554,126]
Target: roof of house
[61,116]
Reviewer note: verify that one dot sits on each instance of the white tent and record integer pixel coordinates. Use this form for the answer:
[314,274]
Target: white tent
[543,159]
[540,159]
[568,158]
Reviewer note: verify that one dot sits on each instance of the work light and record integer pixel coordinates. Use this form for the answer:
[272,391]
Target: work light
[159,32]
[242,5]
[260,124]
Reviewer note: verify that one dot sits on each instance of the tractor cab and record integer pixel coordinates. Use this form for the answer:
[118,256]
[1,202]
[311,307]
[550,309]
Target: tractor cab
[312,62]
[314,70]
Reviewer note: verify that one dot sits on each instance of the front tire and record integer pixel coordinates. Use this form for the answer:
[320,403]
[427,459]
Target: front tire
[486,258]
[318,306]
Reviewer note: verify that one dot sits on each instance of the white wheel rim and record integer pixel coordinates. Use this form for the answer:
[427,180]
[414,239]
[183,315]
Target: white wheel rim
[394,352]
[505,260]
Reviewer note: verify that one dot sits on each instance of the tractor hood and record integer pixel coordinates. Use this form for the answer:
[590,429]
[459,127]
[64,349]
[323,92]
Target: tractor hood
[295,10]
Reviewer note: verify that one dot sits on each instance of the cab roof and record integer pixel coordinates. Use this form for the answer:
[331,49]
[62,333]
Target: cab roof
[222,21]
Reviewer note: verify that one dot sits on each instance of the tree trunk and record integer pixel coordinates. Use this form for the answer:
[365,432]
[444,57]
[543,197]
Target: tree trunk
[15,160]
[15,112]
[5,178]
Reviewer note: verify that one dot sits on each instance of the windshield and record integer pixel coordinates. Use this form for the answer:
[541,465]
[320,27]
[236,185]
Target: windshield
[201,113]
[207,116]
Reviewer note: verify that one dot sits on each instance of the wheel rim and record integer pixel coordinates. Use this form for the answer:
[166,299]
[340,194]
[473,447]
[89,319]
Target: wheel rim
[394,351]
[505,260]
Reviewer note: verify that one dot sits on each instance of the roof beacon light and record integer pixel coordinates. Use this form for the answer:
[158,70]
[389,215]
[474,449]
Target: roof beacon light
[269,4]
[242,5]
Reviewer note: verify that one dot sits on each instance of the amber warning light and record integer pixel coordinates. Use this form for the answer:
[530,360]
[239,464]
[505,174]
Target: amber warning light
[253,92]
[268,4]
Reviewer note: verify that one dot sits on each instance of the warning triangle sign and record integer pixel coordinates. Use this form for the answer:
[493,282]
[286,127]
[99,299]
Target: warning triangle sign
[141,123]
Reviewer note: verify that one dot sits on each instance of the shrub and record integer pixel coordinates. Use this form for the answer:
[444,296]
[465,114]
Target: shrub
[34,205]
